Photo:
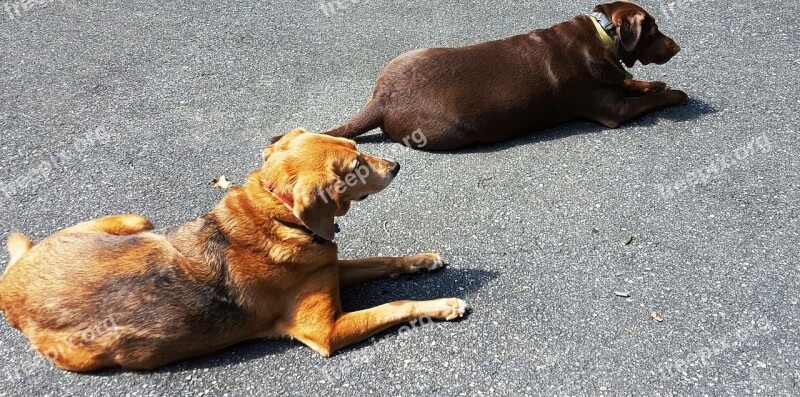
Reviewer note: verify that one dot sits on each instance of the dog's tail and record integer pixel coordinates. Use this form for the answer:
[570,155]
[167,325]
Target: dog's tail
[368,118]
[18,245]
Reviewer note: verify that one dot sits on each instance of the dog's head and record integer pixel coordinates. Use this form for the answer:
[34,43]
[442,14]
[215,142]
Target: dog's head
[638,36]
[321,175]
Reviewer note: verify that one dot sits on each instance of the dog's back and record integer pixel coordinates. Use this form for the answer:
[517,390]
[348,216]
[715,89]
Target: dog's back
[490,92]
[72,283]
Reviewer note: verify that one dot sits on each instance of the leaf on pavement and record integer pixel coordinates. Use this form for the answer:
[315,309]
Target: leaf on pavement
[657,317]
[222,183]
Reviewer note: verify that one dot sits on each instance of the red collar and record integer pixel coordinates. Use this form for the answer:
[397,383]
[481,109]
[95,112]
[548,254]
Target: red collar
[289,203]
[283,198]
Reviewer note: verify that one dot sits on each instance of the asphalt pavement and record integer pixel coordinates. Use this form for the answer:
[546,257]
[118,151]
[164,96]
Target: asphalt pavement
[657,259]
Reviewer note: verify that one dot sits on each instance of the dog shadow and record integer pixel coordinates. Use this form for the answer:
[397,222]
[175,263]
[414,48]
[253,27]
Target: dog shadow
[424,286]
[449,283]
[693,109]
[446,283]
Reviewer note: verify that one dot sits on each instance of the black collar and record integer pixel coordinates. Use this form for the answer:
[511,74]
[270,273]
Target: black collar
[314,237]
[318,239]
[606,23]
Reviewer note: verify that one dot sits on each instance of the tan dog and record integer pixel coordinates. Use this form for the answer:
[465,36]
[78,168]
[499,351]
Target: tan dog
[113,292]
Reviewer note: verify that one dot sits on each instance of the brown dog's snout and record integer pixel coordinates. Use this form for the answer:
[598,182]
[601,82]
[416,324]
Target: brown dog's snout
[673,47]
[665,50]
[396,169]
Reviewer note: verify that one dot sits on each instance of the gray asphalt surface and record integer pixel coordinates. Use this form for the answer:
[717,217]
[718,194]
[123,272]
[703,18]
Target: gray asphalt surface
[115,107]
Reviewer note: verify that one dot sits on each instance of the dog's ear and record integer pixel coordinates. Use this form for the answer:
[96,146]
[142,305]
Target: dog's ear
[267,151]
[288,136]
[316,204]
[283,139]
[294,133]
[630,29]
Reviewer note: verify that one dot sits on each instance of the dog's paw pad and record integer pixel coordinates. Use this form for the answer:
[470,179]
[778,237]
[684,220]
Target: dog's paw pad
[426,262]
[656,86]
[457,309]
[679,97]
[438,263]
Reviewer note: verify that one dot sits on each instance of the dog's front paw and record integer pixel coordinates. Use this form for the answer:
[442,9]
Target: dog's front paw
[451,309]
[424,262]
[442,309]
[655,86]
[677,97]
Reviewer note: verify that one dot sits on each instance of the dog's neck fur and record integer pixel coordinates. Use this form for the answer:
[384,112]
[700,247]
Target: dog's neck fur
[262,219]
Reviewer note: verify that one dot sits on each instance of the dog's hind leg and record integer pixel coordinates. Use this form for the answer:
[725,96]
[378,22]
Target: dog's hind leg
[119,225]
[361,270]
[368,118]
[71,352]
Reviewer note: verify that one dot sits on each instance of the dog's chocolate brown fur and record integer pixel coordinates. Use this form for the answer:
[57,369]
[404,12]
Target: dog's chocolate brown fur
[114,292]
[500,90]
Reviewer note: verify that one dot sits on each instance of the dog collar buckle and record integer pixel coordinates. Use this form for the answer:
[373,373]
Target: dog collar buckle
[606,23]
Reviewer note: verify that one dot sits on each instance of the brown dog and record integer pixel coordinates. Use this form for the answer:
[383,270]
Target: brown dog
[448,98]
[114,292]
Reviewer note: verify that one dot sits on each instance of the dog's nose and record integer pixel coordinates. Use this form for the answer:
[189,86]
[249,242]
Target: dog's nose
[674,47]
[396,169]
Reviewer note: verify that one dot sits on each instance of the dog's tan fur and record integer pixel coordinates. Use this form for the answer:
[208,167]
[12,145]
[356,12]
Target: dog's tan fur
[251,268]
